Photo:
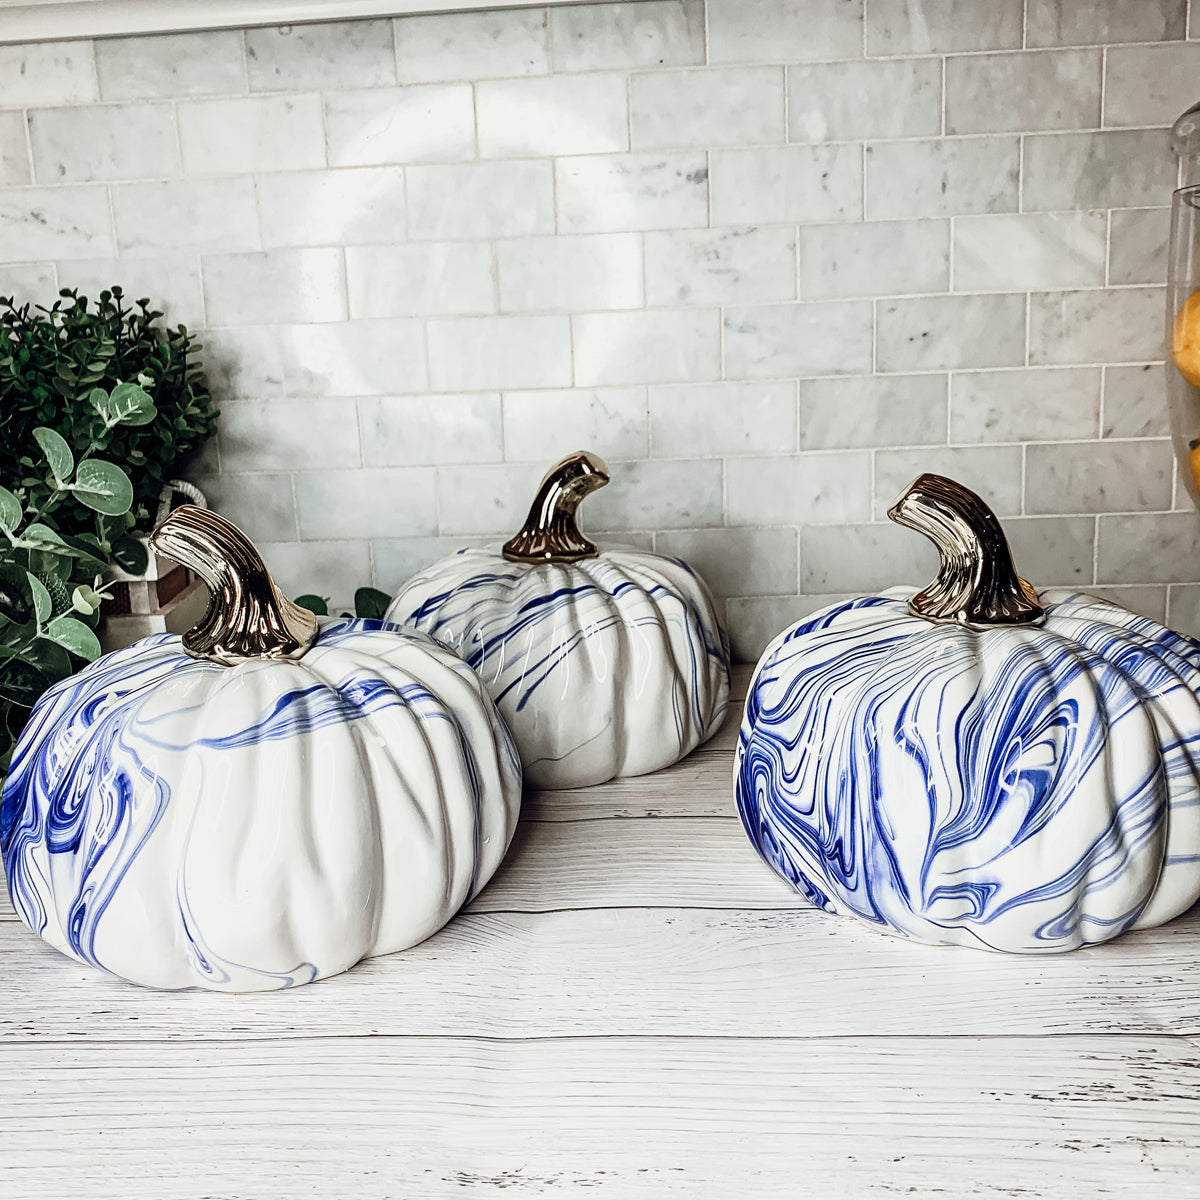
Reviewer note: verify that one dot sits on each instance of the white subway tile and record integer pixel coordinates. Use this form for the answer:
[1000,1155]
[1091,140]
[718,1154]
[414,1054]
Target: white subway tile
[875,258]
[1121,325]
[14,154]
[480,200]
[596,37]
[1029,250]
[737,562]
[773,341]
[937,333]
[798,489]
[738,265]
[938,26]
[356,358]
[332,207]
[259,133]
[212,215]
[1028,404]
[659,346]
[543,427]
[709,107]
[373,502]
[656,495]
[1117,169]
[1039,89]
[175,64]
[487,499]
[1183,607]
[330,569]
[243,364]
[601,193]
[54,222]
[1147,547]
[40,73]
[554,115]
[420,280]
[1137,245]
[108,141]
[261,505]
[788,183]
[1086,477]
[397,560]
[29,283]
[285,435]
[471,45]
[706,420]
[942,178]
[294,58]
[171,282]
[1147,600]
[476,354]
[595,271]
[1053,551]
[994,472]
[784,30]
[430,123]
[872,410]
[403,431]
[277,285]
[1135,402]
[1086,22]
[754,621]
[857,559]
[844,101]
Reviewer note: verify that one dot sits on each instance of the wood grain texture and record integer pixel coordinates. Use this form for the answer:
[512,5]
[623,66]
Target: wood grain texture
[399,1117]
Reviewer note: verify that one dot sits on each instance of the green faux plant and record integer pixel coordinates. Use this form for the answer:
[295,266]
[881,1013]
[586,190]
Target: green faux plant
[369,602]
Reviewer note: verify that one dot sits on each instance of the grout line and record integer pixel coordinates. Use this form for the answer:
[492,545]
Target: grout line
[1103,85]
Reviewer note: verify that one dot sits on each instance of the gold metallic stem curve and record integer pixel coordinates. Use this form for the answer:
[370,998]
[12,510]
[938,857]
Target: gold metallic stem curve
[248,617]
[550,533]
[977,584]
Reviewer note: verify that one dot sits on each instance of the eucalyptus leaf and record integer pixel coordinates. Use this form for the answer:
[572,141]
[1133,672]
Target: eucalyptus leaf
[10,510]
[58,453]
[127,404]
[43,606]
[130,554]
[22,683]
[74,636]
[315,604]
[86,600]
[371,603]
[16,596]
[103,486]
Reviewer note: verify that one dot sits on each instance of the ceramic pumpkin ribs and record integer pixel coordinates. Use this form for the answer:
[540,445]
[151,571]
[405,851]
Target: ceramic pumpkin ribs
[978,764]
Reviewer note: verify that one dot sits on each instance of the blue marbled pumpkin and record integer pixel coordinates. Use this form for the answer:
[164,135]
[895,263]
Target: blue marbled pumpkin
[1030,788]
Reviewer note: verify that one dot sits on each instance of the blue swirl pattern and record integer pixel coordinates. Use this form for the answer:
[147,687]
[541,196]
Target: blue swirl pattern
[180,823]
[614,665]
[1019,789]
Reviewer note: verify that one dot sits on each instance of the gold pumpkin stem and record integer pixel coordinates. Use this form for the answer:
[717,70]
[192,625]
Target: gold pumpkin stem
[977,584]
[550,533]
[248,616]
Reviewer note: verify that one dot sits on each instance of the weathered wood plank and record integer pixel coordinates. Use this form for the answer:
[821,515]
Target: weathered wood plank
[721,1118]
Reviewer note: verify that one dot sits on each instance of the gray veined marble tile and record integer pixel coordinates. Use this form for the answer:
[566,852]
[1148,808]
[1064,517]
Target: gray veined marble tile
[354,358]
[798,489]
[1147,600]
[938,333]
[1183,608]
[480,200]
[1084,22]
[278,285]
[487,500]
[1118,325]
[397,560]
[244,363]
[14,154]
[471,45]
[55,222]
[1025,405]
[107,141]
[429,123]
[1087,477]
[1041,89]
[1149,85]
[256,133]
[938,26]
[1137,249]
[332,207]
[784,30]
[375,502]
[169,65]
[863,559]
[552,115]
[29,283]
[710,107]
[773,341]
[286,435]
[755,621]
[261,505]
[41,73]
[874,258]
[544,426]
[401,431]
[425,279]
[571,272]
[1148,548]
[946,177]
[1112,169]
[294,58]
[845,101]
[597,37]
[211,215]
[170,281]
[476,354]
[1018,251]
[658,494]
[1053,551]
[992,471]
[1135,402]
[873,411]
[787,183]
[654,346]
[738,265]
[703,420]
[330,569]
[601,193]
[737,562]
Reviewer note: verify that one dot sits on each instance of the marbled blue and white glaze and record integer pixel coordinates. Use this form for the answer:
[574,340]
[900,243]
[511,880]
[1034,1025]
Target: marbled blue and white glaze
[1026,788]
[612,665]
[181,823]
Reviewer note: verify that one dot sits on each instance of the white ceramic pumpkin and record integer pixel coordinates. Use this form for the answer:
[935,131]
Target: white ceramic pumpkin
[602,663]
[978,764]
[259,803]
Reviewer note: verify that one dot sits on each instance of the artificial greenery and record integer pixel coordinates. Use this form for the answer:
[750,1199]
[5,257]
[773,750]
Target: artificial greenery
[52,359]
[50,581]
[369,602]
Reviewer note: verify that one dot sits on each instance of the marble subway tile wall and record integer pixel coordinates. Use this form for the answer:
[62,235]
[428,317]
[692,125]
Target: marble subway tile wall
[771,258]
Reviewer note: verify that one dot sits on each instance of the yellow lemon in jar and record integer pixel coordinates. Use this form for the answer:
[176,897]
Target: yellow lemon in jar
[1185,343]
